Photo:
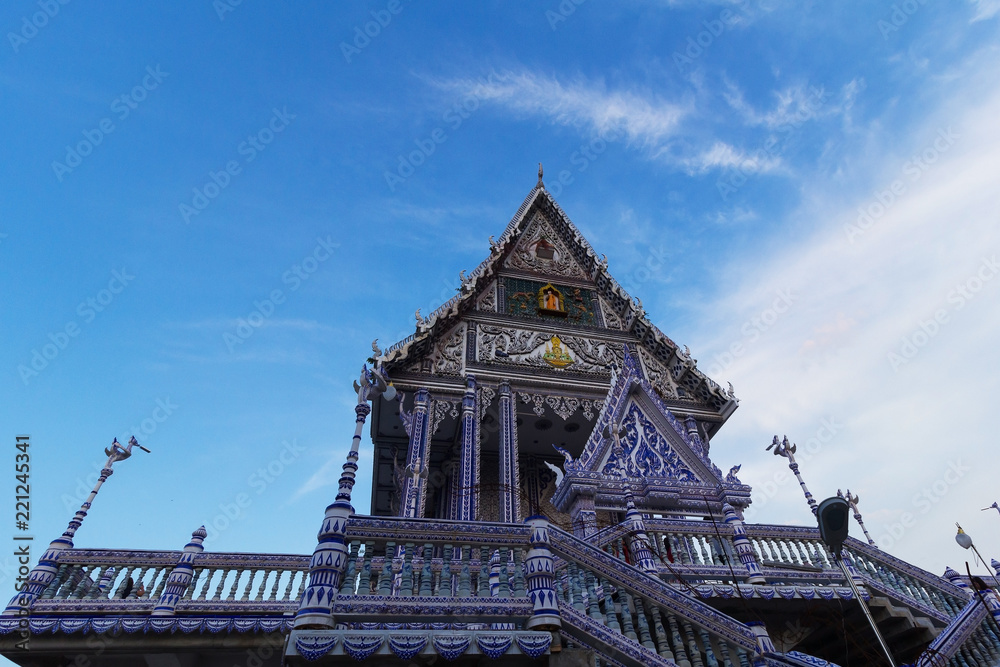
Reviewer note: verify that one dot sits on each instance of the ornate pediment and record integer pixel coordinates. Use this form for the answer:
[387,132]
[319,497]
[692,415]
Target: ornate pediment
[646,452]
[540,249]
[538,349]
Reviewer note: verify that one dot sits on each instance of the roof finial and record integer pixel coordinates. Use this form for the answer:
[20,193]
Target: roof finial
[540,172]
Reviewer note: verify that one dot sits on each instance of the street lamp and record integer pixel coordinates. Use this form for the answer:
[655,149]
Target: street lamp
[965,541]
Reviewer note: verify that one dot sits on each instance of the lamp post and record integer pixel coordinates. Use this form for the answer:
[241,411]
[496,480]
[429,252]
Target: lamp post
[965,541]
[43,573]
[326,569]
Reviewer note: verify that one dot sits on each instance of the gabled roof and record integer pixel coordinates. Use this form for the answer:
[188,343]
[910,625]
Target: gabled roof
[660,349]
[664,460]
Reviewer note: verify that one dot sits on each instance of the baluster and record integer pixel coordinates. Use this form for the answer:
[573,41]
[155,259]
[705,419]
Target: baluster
[347,583]
[365,578]
[465,577]
[246,591]
[105,576]
[164,575]
[628,628]
[681,549]
[643,624]
[660,633]
[444,583]
[610,613]
[263,584]
[274,587]
[385,576]
[784,552]
[706,641]
[57,581]
[675,635]
[193,586]
[693,651]
[574,588]
[766,549]
[83,587]
[287,594]
[104,572]
[504,588]
[426,575]
[519,587]
[70,583]
[593,607]
[231,595]
[137,584]
[120,593]
[483,585]
[406,579]
[744,661]
[302,585]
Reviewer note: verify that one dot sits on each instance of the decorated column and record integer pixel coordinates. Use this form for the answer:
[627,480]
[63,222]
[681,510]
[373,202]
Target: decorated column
[43,573]
[329,560]
[638,540]
[742,545]
[510,487]
[539,575]
[465,487]
[180,577]
[414,494]
[584,516]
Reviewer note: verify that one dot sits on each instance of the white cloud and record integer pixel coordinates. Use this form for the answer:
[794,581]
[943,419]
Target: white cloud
[723,156]
[643,119]
[985,9]
[902,432]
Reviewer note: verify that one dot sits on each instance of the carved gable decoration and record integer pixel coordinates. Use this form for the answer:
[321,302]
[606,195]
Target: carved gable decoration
[656,443]
[446,357]
[646,452]
[541,250]
[498,344]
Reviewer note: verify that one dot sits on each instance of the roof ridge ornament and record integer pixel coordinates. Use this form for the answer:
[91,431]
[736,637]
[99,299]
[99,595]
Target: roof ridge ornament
[540,184]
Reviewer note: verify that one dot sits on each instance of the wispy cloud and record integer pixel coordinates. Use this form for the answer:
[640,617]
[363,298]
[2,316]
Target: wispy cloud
[985,9]
[723,156]
[855,304]
[643,118]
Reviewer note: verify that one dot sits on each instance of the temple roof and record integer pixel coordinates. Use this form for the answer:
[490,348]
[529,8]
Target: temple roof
[542,245]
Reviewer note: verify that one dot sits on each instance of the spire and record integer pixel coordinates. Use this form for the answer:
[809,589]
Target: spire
[45,571]
[540,185]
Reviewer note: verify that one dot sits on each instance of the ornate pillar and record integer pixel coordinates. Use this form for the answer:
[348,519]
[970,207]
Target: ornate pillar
[466,500]
[45,571]
[539,575]
[414,495]
[742,545]
[638,540]
[584,516]
[329,559]
[180,576]
[510,488]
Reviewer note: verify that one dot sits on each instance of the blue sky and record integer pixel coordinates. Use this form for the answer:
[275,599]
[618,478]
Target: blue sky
[172,175]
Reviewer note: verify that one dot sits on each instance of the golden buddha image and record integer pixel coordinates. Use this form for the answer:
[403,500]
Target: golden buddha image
[555,355]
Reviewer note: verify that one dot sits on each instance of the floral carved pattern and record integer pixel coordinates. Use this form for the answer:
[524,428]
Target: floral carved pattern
[646,452]
[524,347]
[554,258]
[488,301]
